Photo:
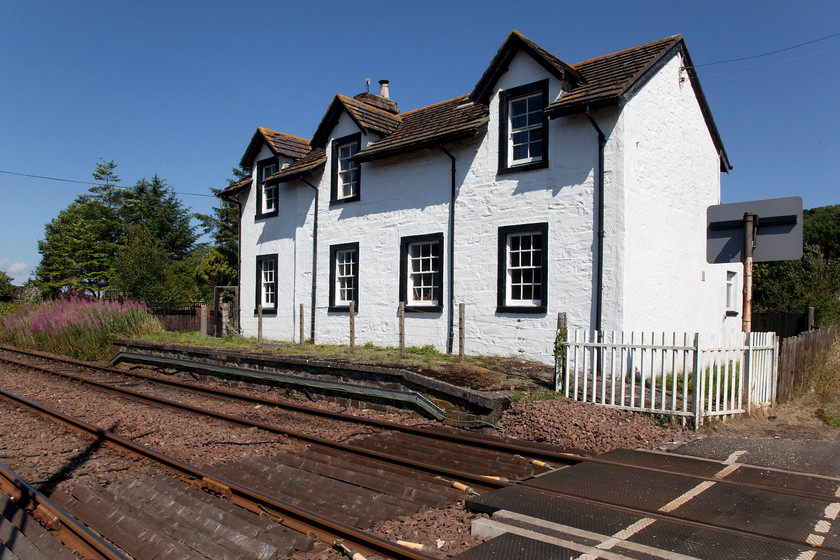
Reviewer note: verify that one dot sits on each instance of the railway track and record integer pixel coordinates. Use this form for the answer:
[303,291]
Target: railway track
[384,470]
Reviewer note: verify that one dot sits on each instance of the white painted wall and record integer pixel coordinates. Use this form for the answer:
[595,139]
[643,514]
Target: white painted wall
[659,179]
[671,176]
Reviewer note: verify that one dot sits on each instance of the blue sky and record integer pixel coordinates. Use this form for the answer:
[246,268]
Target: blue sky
[178,88]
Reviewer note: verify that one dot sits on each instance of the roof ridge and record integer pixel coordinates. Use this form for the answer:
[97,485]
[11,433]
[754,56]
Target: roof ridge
[466,95]
[672,38]
[343,97]
[264,129]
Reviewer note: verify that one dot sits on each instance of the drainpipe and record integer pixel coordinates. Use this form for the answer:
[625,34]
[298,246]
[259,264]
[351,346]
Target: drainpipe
[451,333]
[599,290]
[314,263]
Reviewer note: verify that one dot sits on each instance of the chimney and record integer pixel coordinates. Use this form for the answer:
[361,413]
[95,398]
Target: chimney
[382,101]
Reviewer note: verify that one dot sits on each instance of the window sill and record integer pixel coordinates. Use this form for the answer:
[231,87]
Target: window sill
[340,201]
[272,311]
[272,214]
[342,309]
[521,309]
[542,164]
[423,308]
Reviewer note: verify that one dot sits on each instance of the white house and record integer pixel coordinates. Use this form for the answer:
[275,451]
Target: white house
[548,188]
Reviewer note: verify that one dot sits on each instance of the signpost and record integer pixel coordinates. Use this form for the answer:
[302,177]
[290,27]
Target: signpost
[757,231]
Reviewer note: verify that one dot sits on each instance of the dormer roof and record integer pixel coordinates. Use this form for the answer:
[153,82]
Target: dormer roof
[429,126]
[515,43]
[367,117]
[279,143]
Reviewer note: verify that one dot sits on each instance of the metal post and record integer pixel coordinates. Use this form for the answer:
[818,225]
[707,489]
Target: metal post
[402,329]
[461,332]
[749,237]
[301,324]
[352,327]
[259,323]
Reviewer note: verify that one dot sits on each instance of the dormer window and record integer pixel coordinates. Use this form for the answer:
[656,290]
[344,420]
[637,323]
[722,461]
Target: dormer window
[266,194]
[523,128]
[346,173]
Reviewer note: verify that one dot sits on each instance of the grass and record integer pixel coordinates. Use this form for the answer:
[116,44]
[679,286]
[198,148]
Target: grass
[485,372]
[76,327]
[821,383]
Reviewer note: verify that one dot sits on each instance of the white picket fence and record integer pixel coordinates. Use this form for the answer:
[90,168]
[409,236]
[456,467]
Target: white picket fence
[690,376]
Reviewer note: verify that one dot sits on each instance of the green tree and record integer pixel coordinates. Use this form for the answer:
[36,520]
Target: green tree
[220,265]
[6,286]
[77,251]
[813,281]
[153,206]
[142,270]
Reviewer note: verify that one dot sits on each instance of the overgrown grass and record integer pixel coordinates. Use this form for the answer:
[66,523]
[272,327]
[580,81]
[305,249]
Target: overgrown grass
[80,328]
[823,379]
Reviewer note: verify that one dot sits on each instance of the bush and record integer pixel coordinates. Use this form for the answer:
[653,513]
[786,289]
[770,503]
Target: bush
[76,327]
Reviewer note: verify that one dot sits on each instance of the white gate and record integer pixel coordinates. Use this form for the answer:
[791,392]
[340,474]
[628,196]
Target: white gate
[685,375]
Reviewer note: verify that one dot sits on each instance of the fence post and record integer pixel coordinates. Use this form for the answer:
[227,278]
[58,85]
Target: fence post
[695,385]
[402,329]
[460,332]
[352,327]
[259,323]
[748,365]
[560,339]
[300,321]
[203,320]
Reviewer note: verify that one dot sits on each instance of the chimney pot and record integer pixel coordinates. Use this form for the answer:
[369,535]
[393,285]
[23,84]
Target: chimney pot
[383,89]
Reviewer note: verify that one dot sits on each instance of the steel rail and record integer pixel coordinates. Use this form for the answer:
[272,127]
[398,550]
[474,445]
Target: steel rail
[489,443]
[295,517]
[69,530]
[569,458]
[463,476]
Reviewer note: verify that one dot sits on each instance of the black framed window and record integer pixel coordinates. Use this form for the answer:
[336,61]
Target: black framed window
[421,272]
[344,276]
[346,181]
[266,194]
[523,128]
[523,269]
[266,293]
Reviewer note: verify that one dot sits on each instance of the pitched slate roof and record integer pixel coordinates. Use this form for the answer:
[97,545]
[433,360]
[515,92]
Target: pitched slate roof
[236,187]
[514,43]
[443,122]
[306,165]
[278,142]
[607,78]
[615,78]
[367,117]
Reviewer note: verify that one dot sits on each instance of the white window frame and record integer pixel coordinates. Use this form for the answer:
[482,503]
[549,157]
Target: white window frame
[421,272]
[267,285]
[269,197]
[523,269]
[526,124]
[423,262]
[348,171]
[731,291]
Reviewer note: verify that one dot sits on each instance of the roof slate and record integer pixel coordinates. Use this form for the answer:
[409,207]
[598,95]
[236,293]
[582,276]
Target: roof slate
[442,122]
[286,144]
[608,77]
[236,187]
[309,163]
[593,83]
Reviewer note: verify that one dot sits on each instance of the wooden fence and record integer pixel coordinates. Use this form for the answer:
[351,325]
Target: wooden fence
[683,375]
[799,355]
